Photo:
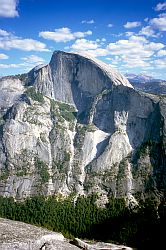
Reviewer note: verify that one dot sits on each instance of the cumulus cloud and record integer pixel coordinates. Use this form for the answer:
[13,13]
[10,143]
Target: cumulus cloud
[160,63]
[129,63]
[161,53]
[33,59]
[8,8]
[22,44]
[160,6]
[88,21]
[84,44]
[8,66]
[3,56]
[28,63]
[148,31]
[93,48]
[155,26]
[98,52]
[4,33]
[8,41]
[136,51]
[129,33]
[159,22]
[137,63]
[63,35]
[130,25]
[135,45]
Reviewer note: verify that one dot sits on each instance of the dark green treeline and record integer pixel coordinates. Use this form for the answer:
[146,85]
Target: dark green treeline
[82,218]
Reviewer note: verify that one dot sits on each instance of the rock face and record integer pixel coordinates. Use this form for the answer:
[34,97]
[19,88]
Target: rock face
[99,245]
[77,125]
[22,236]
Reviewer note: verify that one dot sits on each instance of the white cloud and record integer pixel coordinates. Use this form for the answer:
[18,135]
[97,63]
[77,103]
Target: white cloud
[161,53]
[8,8]
[160,6]
[114,65]
[80,34]
[110,25]
[117,35]
[160,63]
[137,51]
[129,62]
[154,46]
[129,33]
[103,39]
[147,31]
[159,22]
[33,59]
[63,34]
[134,46]
[3,56]
[92,48]
[84,44]
[136,63]
[4,33]
[28,63]
[8,66]
[98,52]
[116,59]
[22,44]
[88,21]
[130,25]
[8,41]
[146,19]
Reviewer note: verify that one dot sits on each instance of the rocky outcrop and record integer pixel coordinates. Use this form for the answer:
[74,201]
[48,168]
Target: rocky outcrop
[77,125]
[99,245]
[22,236]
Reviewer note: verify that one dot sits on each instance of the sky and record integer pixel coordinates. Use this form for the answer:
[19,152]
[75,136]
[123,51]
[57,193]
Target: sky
[127,34]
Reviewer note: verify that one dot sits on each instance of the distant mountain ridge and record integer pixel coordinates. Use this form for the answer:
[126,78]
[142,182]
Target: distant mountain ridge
[147,83]
[141,78]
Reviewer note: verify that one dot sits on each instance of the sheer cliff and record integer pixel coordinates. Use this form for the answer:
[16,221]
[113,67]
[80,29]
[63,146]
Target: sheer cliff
[78,126]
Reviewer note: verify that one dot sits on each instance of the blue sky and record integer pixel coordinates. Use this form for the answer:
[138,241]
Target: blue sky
[127,34]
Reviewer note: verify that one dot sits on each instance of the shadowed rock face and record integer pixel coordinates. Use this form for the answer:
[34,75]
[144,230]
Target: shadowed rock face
[77,125]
